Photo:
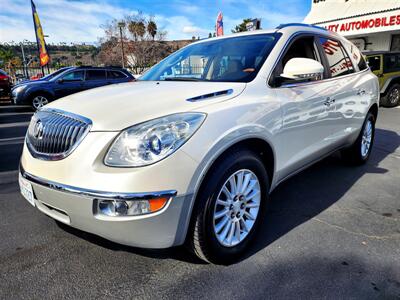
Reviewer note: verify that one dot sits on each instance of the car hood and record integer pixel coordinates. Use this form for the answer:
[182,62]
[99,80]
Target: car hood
[115,107]
[29,83]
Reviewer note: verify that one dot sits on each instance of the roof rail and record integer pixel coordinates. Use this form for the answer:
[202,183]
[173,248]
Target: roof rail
[300,24]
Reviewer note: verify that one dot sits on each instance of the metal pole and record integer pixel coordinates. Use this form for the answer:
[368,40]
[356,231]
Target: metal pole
[122,47]
[23,60]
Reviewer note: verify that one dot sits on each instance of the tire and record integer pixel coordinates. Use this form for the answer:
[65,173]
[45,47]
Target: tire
[392,97]
[39,100]
[360,151]
[203,239]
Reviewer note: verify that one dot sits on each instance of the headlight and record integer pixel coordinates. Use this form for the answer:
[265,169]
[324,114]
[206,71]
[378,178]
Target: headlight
[19,89]
[149,142]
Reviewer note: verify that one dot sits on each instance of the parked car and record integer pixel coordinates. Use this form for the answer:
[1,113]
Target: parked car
[189,153]
[5,84]
[386,65]
[44,78]
[38,93]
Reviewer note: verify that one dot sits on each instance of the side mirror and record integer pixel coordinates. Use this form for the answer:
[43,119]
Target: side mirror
[303,69]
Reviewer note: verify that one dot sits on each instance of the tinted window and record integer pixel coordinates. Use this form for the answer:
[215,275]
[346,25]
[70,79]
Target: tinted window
[115,75]
[303,47]
[74,76]
[339,63]
[374,62]
[95,74]
[358,57]
[236,59]
[391,63]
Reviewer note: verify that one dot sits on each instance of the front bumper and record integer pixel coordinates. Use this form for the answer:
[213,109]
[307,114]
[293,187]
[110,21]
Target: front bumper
[75,207]
[19,98]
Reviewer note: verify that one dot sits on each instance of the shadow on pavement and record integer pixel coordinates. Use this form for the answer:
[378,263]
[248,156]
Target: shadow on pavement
[294,202]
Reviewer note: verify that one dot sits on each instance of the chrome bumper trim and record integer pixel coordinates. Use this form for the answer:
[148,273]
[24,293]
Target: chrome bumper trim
[93,193]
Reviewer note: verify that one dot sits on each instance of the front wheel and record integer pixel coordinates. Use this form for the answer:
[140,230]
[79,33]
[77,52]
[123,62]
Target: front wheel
[39,101]
[229,208]
[392,98]
[360,151]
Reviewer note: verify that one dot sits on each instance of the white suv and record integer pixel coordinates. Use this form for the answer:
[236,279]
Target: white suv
[189,153]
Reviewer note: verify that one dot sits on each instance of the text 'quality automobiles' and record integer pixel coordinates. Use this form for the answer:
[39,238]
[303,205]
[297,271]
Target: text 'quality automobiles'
[38,93]
[190,152]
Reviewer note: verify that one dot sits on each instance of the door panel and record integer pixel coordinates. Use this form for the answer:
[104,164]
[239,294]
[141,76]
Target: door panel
[71,83]
[95,78]
[346,94]
[307,110]
[307,124]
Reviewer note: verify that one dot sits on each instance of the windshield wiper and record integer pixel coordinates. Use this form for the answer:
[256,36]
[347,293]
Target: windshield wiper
[182,79]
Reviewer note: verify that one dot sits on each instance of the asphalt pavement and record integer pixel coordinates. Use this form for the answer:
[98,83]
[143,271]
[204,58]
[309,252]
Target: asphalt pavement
[332,232]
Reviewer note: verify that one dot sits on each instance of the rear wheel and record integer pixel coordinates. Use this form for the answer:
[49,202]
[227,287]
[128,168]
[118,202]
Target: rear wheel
[360,151]
[392,98]
[229,208]
[38,101]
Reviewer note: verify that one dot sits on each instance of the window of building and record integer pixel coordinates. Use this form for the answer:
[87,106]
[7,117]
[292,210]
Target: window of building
[395,45]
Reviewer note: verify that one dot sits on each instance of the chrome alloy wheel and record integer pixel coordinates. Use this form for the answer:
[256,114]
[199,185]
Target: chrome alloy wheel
[394,96]
[236,208]
[366,138]
[39,102]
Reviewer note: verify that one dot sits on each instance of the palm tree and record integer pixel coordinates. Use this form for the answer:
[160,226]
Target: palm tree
[132,27]
[140,29]
[152,28]
[137,28]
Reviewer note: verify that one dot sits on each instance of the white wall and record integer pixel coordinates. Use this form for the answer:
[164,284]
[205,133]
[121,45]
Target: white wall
[378,41]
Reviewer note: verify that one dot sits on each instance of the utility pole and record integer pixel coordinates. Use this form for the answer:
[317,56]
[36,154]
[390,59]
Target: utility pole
[23,60]
[122,25]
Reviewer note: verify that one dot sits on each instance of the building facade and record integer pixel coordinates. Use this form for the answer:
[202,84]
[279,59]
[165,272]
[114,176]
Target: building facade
[372,25]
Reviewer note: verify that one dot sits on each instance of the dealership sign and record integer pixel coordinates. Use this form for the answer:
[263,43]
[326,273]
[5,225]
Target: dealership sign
[366,24]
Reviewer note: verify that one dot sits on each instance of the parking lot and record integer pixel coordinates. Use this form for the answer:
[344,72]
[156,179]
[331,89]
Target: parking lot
[332,231]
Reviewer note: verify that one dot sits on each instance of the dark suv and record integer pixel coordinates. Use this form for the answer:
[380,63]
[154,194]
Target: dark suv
[39,93]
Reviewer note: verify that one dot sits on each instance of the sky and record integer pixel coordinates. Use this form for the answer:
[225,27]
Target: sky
[80,21]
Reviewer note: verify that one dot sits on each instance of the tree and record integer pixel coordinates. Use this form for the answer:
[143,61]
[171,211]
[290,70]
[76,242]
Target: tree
[152,28]
[241,27]
[6,55]
[143,43]
[210,35]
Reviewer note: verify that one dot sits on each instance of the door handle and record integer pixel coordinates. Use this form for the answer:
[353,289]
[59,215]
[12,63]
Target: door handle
[329,101]
[361,92]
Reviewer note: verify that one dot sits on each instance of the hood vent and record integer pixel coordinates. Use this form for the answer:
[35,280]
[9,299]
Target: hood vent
[210,95]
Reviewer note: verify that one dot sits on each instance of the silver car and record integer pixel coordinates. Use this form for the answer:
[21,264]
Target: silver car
[190,152]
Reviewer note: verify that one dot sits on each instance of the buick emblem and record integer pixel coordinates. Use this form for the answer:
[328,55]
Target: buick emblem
[38,130]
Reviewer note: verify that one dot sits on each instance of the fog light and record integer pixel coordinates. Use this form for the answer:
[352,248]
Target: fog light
[115,208]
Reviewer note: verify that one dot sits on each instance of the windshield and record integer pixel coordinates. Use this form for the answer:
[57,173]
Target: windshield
[236,59]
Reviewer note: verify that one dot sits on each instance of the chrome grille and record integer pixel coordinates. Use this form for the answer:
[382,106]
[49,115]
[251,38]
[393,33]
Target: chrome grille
[53,134]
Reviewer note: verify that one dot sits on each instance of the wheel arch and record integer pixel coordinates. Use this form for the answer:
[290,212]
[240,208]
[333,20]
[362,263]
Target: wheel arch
[255,143]
[40,92]
[389,82]
[374,110]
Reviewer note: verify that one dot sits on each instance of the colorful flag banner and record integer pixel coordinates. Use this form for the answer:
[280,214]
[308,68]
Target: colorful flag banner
[43,54]
[219,27]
